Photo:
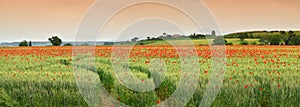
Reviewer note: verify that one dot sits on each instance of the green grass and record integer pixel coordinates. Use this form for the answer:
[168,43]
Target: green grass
[49,80]
[31,81]
[236,41]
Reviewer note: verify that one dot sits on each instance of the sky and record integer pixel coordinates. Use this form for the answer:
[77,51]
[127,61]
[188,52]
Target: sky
[37,20]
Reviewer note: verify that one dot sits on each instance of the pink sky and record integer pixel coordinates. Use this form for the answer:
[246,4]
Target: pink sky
[39,19]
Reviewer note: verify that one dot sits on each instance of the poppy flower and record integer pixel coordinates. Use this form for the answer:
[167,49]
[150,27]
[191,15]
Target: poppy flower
[157,101]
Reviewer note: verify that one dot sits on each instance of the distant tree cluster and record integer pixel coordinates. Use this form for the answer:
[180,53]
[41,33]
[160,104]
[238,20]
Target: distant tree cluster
[283,38]
[169,36]
[241,35]
[55,40]
[197,36]
[25,43]
[134,39]
[268,37]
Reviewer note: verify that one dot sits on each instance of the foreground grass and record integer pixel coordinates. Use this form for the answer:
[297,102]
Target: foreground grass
[256,76]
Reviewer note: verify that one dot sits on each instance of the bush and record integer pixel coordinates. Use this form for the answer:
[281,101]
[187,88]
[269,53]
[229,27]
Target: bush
[281,43]
[141,43]
[244,43]
[295,40]
[68,44]
[253,43]
[229,43]
[275,40]
[23,43]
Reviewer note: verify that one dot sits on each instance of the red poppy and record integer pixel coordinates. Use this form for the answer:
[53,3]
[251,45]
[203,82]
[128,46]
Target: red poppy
[157,101]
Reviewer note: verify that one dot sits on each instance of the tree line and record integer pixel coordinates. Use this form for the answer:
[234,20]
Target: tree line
[55,41]
[269,37]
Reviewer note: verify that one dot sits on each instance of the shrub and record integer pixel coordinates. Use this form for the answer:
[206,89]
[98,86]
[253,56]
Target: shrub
[295,40]
[229,43]
[23,43]
[244,43]
[275,40]
[68,44]
[141,43]
[253,43]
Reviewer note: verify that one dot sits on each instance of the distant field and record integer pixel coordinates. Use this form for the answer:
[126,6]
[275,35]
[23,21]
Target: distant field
[235,41]
[297,32]
[257,34]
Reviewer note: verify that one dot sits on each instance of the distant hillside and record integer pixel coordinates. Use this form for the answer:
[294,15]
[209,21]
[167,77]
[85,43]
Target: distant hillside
[256,34]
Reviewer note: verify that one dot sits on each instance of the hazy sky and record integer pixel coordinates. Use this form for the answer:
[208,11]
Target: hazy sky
[37,20]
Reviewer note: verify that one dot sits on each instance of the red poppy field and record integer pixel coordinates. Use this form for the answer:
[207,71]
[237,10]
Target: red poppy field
[255,76]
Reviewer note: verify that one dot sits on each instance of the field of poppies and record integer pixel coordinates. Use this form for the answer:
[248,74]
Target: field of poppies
[255,76]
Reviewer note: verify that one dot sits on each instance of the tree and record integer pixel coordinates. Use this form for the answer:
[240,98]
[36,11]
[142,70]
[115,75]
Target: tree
[291,33]
[289,37]
[148,38]
[169,36]
[250,35]
[55,41]
[213,33]
[219,40]
[243,36]
[23,43]
[275,40]
[295,40]
[164,34]
[30,44]
[134,39]
[282,32]
[265,39]
[244,43]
